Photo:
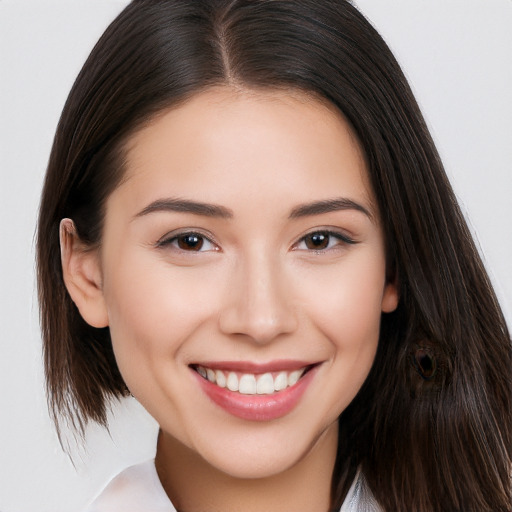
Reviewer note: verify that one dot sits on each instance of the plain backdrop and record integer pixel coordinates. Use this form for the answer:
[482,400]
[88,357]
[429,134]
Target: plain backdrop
[457,55]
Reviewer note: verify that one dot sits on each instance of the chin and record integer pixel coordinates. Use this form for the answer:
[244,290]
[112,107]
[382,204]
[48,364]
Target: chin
[259,455]
[257,467]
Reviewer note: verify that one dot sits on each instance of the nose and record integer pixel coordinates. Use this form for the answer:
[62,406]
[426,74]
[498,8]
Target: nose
[259,304]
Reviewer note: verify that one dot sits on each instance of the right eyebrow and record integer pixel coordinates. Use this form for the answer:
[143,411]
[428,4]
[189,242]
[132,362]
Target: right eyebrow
[170,204]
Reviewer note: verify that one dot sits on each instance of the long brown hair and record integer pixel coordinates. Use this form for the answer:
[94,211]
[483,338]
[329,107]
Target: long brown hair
[432,426]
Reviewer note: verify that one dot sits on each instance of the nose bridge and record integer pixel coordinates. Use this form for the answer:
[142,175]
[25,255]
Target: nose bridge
[258,304]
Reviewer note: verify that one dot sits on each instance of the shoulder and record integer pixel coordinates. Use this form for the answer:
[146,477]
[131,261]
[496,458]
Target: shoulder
[135,489]
[138,489]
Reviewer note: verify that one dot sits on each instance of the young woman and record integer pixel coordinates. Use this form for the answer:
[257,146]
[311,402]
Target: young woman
[245,224]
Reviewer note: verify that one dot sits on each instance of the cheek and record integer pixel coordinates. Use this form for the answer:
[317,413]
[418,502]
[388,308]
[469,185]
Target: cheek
[153,309]
[347,305]
[348,317]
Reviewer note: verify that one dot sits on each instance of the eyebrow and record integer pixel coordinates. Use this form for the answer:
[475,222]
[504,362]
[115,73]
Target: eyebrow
[213,210]
[326,206]
[186,206]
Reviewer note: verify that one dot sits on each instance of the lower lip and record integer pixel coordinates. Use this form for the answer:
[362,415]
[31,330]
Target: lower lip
[257,407]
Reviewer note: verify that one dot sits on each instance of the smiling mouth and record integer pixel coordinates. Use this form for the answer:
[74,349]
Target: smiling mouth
[268,383]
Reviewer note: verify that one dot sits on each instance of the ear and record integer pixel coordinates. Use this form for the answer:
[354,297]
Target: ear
[82,275]
[391,295]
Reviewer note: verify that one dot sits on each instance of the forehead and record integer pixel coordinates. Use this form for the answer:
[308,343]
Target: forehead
[224,140]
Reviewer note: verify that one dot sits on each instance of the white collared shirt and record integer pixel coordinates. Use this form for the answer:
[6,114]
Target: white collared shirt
[138,489]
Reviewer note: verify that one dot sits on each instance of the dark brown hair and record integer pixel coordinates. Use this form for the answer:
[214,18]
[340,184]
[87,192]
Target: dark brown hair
[432,426]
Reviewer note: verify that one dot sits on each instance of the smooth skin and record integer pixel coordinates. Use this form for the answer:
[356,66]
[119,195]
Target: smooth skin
[279,256]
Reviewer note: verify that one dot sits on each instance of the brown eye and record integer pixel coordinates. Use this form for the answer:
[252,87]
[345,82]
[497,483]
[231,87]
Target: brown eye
[317,241]
[322,241]
[190,242]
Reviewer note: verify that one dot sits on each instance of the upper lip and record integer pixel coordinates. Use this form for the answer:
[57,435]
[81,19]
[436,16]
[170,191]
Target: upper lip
[252,367]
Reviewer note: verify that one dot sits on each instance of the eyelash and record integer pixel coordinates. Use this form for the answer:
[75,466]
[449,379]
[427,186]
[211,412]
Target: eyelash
[201,238]
[174,241]
[340,238]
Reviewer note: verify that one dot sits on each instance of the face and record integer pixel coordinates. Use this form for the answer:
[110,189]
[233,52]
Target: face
[243,275]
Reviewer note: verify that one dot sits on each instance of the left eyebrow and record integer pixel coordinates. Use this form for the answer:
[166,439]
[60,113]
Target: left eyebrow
[326,206]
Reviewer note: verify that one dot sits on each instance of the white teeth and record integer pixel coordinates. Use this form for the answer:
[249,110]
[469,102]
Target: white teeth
[250,384]
[281,381]
[221,379]
[247,384]
[265,385]
[294,377]
[232,382]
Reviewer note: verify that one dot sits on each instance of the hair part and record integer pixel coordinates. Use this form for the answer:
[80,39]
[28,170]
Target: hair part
[439,441]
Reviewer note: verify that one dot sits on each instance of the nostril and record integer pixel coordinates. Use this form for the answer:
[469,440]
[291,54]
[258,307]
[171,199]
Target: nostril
[261,325]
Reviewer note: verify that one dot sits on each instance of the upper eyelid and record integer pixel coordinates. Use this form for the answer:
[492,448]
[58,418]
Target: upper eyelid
[171,235]
[338,233]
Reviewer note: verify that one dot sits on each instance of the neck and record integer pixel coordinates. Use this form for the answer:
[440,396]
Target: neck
[193,485]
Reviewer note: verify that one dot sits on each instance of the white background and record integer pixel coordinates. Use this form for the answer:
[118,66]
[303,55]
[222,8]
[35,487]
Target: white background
[457,55]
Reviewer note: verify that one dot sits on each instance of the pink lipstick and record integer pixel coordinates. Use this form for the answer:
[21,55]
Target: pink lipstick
[255,392]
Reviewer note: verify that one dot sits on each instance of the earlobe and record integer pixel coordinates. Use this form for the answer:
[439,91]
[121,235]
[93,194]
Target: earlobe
[82,276]
[391,295]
